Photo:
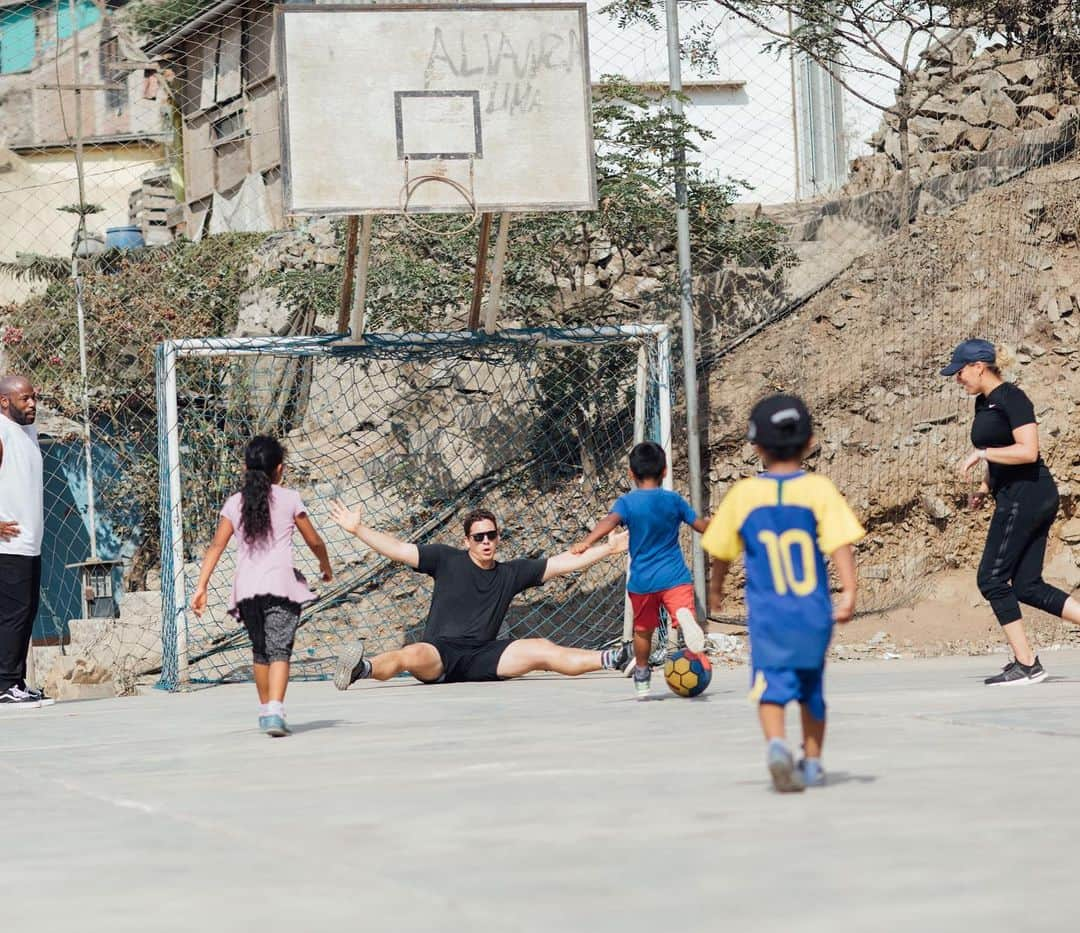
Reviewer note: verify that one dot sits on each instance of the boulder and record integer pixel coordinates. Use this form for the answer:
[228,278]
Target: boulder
[1047,104]
[974,111]
[977,137]
[1003,112]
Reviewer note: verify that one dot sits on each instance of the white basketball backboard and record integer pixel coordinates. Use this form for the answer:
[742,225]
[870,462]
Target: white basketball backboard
[437,108]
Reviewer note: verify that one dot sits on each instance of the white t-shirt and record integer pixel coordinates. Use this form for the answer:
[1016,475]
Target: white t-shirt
[21,487]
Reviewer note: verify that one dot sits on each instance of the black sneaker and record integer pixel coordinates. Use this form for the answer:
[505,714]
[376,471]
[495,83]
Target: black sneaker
[17,699]
[1015,674]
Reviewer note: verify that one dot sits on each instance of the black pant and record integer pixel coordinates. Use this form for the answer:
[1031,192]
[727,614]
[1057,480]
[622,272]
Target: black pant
[1010,572]
[20,591]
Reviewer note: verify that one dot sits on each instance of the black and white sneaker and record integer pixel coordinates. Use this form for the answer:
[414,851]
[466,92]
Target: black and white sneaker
[17,699]
[38,695]
[1015,674]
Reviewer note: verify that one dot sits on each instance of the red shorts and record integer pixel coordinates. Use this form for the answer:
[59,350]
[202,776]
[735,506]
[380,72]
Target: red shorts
[647,605]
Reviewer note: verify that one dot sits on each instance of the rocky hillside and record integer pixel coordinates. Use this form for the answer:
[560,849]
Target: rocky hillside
[866,351]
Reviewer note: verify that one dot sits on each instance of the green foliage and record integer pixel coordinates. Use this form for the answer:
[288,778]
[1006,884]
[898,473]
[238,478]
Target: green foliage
[132,302]
[156,18]
[82,209]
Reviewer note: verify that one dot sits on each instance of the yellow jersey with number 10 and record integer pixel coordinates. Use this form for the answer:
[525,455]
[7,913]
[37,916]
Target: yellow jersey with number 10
[786,525]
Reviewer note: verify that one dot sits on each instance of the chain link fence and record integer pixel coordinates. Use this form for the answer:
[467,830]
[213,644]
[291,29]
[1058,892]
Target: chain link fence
[855,210]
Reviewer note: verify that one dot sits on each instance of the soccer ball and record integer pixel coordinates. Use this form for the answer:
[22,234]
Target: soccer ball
[687,674]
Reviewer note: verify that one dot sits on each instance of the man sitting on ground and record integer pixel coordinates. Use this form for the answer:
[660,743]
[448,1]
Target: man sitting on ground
[472,594]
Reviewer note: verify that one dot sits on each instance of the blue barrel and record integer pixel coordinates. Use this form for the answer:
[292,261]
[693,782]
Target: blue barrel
[124,237]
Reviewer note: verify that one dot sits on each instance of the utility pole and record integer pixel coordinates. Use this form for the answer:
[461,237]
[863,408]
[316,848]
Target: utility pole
[686,301]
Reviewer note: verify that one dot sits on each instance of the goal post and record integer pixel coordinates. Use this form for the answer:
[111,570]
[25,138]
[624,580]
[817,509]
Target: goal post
[414,430]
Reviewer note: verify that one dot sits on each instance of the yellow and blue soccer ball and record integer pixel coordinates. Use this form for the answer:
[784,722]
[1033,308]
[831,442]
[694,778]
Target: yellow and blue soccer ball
[687,674]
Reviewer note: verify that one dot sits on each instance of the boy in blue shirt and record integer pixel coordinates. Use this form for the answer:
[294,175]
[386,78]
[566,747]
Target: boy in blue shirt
[787,522]
[658,573]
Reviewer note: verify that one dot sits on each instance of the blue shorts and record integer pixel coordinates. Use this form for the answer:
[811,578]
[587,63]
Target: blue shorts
[805,686]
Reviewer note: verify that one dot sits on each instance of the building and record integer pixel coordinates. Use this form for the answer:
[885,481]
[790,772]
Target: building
[225,87]
[121,123]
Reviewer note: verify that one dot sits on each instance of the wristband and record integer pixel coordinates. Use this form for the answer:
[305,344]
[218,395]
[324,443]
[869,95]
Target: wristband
[981,453]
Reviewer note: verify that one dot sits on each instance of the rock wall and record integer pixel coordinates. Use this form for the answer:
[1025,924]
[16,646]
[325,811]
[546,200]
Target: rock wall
[965,106]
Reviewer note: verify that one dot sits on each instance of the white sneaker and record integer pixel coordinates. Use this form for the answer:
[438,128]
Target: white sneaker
[692,633]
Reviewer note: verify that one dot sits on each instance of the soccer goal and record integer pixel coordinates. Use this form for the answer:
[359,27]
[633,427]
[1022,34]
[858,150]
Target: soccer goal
[414,429]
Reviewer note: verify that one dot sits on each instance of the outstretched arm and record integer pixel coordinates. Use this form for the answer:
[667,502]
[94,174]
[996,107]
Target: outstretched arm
[210,561]
[604,527]
[568,562]
[394,548]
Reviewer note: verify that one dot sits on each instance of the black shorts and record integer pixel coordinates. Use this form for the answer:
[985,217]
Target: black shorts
[271,621]
[465,661]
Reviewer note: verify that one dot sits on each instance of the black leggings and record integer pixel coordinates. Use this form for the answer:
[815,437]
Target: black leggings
[1010,572]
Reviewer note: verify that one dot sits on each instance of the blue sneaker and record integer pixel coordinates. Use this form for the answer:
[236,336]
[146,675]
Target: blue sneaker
[274,726]
[785,776]
[813,775]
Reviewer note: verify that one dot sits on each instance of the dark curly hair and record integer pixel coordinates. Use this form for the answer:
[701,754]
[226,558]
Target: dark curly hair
[262,456]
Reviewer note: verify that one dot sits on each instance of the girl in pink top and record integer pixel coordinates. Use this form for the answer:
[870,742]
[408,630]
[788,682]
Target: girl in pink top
[267,590]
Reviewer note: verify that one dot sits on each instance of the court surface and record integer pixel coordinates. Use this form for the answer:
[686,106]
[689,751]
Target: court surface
[548,804]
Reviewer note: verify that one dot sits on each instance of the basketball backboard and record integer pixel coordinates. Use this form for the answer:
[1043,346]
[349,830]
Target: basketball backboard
[435,108]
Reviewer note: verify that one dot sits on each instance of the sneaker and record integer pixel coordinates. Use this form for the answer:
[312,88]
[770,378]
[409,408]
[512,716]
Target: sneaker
[274,726]
[811,772]
[642,681]
[1015,674]
[617,659]
[785,776]
[692,632]
[18,699]
[350,665]
[38,695]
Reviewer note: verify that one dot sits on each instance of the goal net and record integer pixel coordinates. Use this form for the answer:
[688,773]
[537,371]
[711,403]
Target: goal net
[414,430]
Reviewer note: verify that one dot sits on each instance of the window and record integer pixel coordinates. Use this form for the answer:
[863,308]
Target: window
[115,79]
[18,38]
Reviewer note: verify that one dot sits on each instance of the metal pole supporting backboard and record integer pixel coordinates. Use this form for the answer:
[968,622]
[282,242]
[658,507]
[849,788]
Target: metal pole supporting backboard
[358,320]
[491,312]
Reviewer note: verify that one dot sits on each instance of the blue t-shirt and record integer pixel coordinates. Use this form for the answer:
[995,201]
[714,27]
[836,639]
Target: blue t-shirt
[786,526]
[653,517]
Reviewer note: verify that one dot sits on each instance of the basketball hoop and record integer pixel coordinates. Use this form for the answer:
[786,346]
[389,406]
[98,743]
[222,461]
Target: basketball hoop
[408,189]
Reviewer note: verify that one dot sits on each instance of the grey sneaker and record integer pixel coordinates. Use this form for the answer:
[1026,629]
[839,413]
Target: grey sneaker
[642,682]
[1015,674]
[350,666]
[786,777]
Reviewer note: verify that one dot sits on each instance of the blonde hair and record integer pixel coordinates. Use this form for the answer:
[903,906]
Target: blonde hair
[1004,366]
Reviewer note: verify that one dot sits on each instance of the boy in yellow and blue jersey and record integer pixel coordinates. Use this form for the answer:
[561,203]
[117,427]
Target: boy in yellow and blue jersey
[787,522]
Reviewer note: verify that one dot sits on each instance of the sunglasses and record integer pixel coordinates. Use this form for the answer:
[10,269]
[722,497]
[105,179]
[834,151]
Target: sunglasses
[485,536]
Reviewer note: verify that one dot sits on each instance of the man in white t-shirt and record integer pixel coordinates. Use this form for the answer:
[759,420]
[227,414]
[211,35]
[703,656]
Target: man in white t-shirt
[22,522]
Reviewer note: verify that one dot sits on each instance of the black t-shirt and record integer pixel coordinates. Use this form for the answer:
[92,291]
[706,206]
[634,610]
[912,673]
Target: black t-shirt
[997,415]
[469,602]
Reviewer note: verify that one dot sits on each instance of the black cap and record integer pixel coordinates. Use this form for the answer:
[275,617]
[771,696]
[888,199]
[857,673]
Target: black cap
[780,421]
[970,351]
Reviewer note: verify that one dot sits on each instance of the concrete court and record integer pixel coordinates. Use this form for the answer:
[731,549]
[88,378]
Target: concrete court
[548,804]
